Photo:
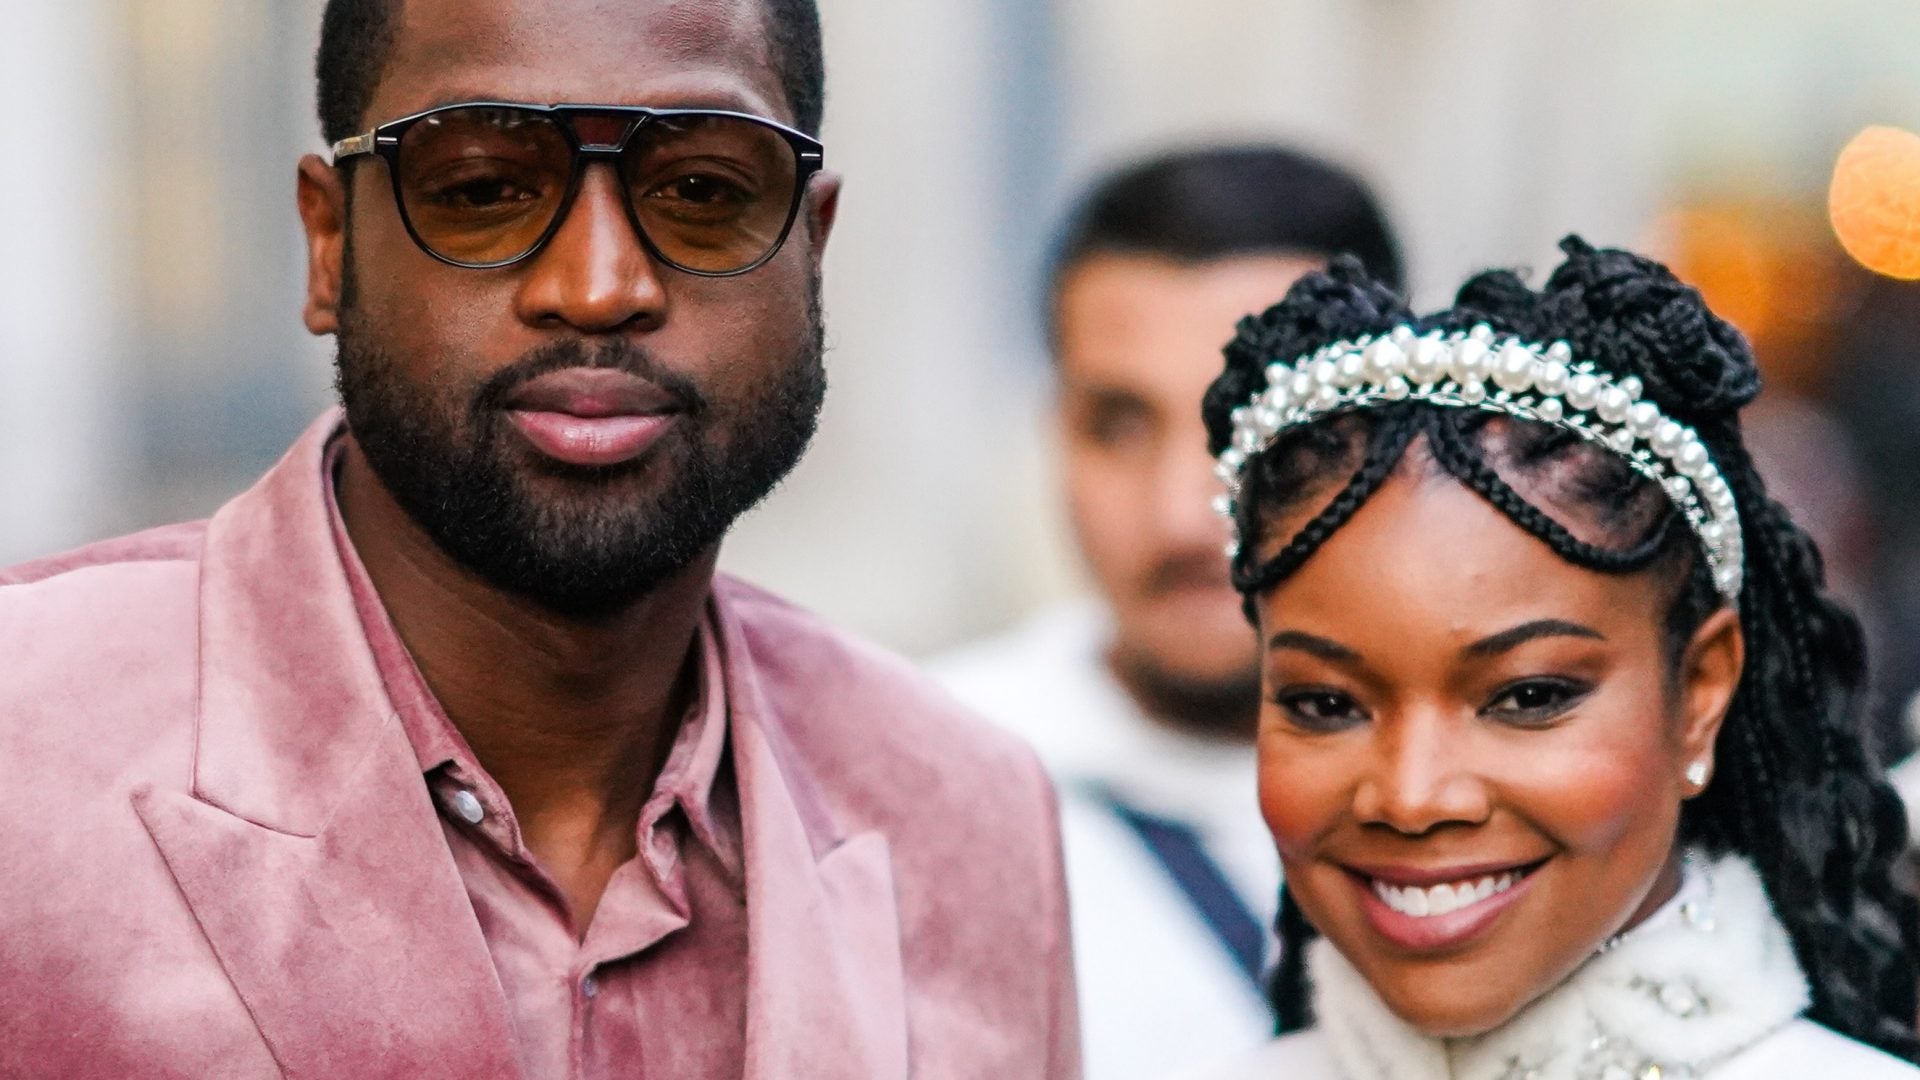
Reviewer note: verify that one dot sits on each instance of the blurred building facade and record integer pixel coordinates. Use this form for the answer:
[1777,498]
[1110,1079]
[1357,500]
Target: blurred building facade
[152,359]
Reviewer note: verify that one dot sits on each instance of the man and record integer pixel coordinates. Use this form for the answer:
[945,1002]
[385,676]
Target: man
[1143,703]
[443,752]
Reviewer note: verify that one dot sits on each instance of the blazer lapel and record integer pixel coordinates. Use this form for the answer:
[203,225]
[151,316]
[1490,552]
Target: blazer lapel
[825,993]
[308,847]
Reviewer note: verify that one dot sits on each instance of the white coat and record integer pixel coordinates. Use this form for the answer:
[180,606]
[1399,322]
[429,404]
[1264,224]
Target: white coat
[1158,993]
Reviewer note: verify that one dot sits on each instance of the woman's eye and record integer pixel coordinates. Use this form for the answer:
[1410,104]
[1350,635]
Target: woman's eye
[1321,710]
[1534,701]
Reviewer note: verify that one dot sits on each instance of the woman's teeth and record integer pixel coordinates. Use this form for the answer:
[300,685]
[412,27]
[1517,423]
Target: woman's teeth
[1443,899]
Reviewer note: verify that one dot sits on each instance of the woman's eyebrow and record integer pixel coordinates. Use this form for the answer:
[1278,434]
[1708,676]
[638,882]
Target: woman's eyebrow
[1507,640]
[1331,651]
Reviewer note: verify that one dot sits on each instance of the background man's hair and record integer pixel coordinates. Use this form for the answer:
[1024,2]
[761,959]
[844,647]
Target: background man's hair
[356,36]
[1218,202]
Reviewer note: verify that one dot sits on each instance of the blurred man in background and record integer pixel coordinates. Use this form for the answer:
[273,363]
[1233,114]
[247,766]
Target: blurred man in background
[1142,702]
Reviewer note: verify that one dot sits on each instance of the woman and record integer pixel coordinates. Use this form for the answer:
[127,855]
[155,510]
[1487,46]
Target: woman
[1560,744]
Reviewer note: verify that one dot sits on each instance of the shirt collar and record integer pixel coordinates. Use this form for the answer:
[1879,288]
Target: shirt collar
[696,778]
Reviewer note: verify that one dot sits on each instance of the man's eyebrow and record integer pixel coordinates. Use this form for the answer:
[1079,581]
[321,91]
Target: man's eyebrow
[1313,645]
[717,100]
[1506,640]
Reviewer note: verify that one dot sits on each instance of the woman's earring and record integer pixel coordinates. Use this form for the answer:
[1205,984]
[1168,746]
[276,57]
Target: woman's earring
[1697,774]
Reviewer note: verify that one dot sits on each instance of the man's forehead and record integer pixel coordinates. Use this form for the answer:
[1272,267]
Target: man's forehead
[664,52]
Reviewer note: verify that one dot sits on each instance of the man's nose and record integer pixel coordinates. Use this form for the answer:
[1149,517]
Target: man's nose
[1422,777]
[594,275]
[1186,489]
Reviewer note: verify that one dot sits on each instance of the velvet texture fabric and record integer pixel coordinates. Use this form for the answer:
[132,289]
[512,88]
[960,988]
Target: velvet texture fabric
[221,860]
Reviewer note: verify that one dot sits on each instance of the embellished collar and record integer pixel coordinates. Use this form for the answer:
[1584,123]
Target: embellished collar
[1705,977]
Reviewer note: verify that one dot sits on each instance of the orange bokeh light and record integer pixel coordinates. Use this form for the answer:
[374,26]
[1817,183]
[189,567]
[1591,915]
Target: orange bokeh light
[1874,202]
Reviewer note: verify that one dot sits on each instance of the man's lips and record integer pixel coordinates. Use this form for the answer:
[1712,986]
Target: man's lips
[1439,908]
[592,417]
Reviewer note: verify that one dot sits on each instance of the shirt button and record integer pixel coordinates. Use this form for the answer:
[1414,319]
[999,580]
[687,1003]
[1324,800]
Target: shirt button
[467,805]
[590,986]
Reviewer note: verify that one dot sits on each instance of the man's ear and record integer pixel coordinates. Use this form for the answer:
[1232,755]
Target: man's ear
[323,213]
[1710,671]
[821,208]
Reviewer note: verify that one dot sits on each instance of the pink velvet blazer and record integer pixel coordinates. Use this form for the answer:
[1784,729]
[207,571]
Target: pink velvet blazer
[218,858]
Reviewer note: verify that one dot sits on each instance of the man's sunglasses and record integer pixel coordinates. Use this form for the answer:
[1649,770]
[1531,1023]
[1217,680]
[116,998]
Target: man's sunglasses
[487,184]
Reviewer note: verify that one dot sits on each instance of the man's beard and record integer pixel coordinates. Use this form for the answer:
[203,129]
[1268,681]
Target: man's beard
[585,542]
[1225,707]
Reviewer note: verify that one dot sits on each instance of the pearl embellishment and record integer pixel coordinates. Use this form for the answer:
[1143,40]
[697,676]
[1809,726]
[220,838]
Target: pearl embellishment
[1478,370]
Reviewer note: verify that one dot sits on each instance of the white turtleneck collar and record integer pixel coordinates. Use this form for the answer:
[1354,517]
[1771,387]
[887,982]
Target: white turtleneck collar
[1708,975]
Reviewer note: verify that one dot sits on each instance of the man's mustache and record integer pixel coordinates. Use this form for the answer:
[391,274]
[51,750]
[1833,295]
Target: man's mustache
[615,355]
[1188,570]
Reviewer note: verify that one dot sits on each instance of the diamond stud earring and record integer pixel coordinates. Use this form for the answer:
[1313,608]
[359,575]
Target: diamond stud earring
[1697,774]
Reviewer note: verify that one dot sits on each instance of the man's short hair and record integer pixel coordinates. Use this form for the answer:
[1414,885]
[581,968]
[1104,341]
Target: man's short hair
[356,36]
[1203,205]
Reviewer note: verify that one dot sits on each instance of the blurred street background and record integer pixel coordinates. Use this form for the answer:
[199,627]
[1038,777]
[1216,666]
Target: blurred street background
[152,360]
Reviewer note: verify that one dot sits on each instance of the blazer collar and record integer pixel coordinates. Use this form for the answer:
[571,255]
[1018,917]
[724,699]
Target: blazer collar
[315,862]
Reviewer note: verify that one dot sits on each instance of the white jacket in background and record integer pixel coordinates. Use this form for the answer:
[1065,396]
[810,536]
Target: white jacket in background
[1158,993]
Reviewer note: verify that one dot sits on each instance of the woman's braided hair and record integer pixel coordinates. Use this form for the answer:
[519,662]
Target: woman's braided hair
[1794,791]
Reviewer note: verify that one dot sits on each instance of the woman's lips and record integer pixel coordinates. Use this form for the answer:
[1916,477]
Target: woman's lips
[1427,911]
[591,417]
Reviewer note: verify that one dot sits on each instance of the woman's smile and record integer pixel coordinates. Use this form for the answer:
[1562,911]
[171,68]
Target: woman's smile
[1440,910]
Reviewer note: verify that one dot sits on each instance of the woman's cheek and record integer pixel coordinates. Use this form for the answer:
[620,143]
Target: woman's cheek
[1300,792]
[1590,792]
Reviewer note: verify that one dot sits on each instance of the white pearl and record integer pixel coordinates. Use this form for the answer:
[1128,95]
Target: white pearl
[1553,378]
[1428,362]
[1353,368]
[1232,550]
[1668,438]
[1277,398]
[1325,398]
[1223,505]
[1713,532]
[1326,372]
[1472,362]
[1402,335]
[1560,351]
[1224,472]
[1279,374]
[1633,386]
[1728,579]
[1398,388]
[1233,459]
[1385,360]
[1247,441]
[1678,488]
[1514,371]
[1550,410]
[1692,459]
[1473,392]
[1621,441]
[1302,386]
[1238,417]
[1614,404]
[1481,333]
[1643,419]
[1266,421]
[1583,392]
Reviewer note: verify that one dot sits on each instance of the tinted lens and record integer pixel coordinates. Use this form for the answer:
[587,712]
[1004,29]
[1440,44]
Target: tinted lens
[715,194]
[481,185]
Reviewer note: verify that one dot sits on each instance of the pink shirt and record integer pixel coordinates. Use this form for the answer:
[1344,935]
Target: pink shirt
[653,987]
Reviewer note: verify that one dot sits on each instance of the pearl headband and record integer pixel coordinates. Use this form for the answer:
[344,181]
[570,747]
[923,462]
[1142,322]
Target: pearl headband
[1475,371]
